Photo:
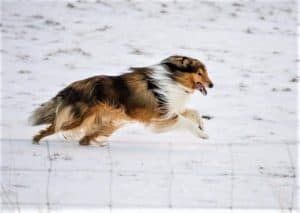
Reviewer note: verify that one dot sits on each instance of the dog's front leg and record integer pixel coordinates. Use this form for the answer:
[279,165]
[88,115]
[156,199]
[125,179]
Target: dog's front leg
[194,116]
[178,122]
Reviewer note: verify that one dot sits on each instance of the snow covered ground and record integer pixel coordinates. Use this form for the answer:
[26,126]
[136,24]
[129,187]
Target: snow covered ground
[249,48]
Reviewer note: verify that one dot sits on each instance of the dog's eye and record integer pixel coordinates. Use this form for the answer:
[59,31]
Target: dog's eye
[199,73]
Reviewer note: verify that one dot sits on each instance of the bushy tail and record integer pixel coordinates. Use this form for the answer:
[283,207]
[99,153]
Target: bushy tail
[45,114]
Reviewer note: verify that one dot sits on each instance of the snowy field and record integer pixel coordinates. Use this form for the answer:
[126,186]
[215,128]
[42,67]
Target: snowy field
[250,159]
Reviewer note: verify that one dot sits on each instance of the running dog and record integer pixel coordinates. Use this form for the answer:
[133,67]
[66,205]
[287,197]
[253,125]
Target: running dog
[155,96]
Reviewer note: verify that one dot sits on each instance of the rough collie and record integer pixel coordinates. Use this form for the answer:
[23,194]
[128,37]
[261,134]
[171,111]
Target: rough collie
[155,96]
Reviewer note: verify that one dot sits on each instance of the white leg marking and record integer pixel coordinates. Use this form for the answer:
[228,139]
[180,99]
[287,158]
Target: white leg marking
[180,122]
[99,141]
[194,116]
[191,126]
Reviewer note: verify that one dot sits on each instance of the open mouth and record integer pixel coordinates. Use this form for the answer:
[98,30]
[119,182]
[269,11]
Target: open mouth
[201,88]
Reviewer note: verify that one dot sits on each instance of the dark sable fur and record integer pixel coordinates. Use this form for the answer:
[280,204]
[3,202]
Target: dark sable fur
[124,92]
[173,68]
[182,64]
[112,90]
[71,95]
[108,89]
[152,86]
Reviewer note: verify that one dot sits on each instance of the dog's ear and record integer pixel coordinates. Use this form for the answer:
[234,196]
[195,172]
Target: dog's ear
[180,63]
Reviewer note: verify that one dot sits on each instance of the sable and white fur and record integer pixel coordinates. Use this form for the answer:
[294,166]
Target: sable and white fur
[156,96]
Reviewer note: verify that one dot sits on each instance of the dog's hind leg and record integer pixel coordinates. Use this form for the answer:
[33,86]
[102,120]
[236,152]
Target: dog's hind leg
[104,131]
[43,133]
[86,140]
[75,119]
[103,123]
[71,125]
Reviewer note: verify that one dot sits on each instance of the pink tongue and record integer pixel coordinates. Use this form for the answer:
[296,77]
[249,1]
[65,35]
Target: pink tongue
[201,88]
[198,86]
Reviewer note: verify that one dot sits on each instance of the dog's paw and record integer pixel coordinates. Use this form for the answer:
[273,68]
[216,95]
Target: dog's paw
[202,135]
[98,144]
[35,142]
[99,141]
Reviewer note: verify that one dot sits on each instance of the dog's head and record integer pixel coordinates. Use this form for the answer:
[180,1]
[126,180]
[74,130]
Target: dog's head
[189,72]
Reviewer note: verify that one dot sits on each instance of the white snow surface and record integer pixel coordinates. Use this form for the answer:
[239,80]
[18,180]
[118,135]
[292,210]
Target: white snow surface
[249,49]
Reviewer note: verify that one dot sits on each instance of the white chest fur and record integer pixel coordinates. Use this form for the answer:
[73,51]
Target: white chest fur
[177,99]
[176,96]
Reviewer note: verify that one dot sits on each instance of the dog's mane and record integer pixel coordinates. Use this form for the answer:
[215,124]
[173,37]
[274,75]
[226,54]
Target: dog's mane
[162,82]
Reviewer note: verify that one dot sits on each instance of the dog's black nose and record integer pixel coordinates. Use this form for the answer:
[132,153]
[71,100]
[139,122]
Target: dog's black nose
[211,85]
